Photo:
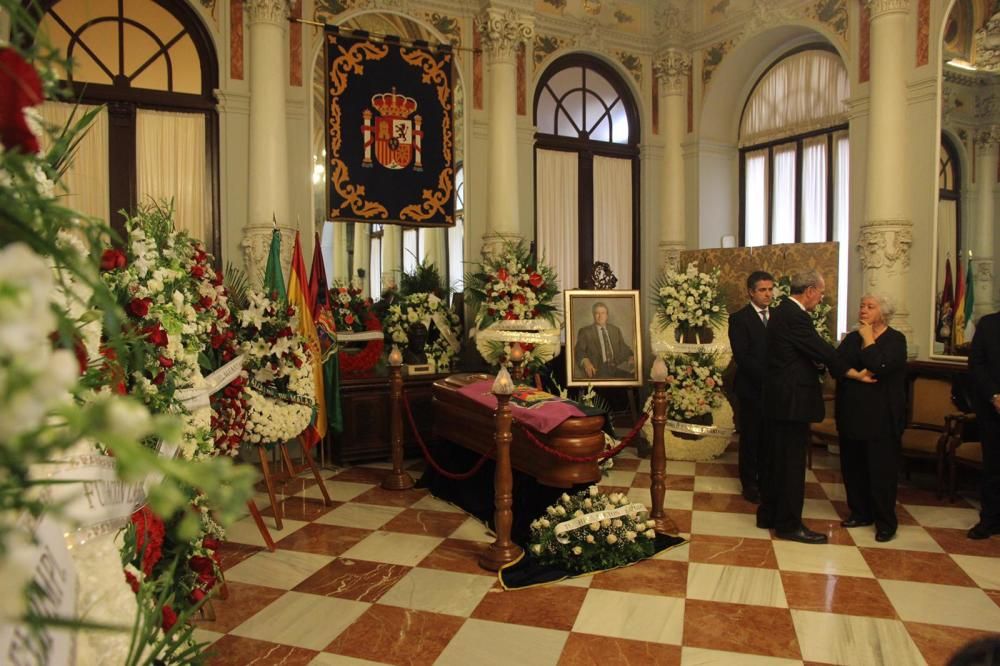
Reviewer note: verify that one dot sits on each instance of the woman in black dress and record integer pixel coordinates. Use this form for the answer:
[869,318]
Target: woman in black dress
[870,418]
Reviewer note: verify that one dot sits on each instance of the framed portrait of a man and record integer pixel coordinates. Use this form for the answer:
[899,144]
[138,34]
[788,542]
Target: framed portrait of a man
[603,338]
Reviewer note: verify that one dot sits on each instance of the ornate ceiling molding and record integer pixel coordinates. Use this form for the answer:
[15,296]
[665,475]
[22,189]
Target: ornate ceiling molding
[673,67]
[503,30]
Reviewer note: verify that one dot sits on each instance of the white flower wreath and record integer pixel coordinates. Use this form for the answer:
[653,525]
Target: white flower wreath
[425,308]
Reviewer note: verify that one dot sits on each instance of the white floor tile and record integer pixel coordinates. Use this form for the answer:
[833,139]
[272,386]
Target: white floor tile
[486,643]
[393,548]
[439,591]
[283,569]
[847,639]
[639,617]
[308,621]
[943,604]
[735,585]
[821,559]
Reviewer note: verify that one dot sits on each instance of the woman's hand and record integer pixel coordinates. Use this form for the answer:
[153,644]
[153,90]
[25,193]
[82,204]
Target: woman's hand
[867,333]
[864,376]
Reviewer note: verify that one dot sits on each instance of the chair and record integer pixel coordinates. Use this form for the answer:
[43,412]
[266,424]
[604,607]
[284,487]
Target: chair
[926,435]
[959,451]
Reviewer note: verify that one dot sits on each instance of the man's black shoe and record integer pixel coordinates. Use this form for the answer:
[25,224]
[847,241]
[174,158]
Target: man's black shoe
[980,531]
[884,535]
[751,495]
[856,522]
[802,535]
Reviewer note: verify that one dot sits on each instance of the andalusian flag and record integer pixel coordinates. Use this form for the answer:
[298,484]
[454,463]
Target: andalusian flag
[970,302]
[319,296]
[274,281]
[298,287]
[958,334]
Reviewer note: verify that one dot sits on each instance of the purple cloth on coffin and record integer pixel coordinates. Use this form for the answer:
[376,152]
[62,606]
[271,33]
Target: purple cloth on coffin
[543,417]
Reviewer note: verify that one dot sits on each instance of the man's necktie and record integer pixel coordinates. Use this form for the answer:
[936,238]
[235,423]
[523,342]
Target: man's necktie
[763,316]
[609,355]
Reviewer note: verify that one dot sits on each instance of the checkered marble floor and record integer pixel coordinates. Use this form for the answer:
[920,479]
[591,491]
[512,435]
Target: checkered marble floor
[391,577]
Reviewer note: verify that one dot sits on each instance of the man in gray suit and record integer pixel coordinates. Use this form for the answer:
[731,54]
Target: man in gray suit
[600,350]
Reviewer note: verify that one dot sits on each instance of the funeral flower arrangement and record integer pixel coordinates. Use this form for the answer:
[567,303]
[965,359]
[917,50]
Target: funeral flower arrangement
[694,385]
[513,294]
[690,300]
[820,314]
[278,361]
[354,313]
[591,531]
[63,339]
[442,324]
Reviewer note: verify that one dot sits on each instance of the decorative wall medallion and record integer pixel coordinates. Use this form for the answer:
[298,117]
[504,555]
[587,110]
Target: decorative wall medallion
[832,13]
[545,45]
[449,26]
[712,58]
[631,62]
[673,67]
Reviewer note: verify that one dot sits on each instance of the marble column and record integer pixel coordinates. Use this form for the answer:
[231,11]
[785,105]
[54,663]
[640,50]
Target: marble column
[672,66]
[502,31]
[268,161]
[886,233]
[987,141]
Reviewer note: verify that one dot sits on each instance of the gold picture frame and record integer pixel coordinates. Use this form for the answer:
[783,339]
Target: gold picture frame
[588,359]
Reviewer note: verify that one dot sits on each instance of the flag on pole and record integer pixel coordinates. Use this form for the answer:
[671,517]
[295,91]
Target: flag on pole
[946,306]
[958,334]
[274,281]
[298,287]
[970,301]
[319,293]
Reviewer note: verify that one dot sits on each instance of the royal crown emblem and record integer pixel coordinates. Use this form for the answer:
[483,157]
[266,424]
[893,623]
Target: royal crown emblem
[396,138]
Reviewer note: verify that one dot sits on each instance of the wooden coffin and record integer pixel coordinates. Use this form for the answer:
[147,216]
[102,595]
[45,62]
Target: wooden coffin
[463,421]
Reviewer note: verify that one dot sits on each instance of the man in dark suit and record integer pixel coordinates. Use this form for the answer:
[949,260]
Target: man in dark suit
[600,350]
[984,363]
[792,400]
[748,339]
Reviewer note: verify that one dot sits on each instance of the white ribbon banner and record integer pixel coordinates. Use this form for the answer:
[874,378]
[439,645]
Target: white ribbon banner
[198,397]
[363,336]
[441,321]
[700,430]
[662,346]
[55,574]
[595,517]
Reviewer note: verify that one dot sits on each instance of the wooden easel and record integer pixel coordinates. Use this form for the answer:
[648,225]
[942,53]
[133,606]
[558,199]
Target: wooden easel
[292,473]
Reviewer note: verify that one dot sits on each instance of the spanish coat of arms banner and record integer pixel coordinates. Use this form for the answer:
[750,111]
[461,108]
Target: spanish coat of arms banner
[389,131]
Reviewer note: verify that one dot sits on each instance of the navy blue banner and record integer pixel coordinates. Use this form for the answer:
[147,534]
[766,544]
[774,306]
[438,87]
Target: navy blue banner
[389,131]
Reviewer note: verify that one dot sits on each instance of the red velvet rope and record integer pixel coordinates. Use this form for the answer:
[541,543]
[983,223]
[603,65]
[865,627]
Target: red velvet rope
[427,454]
[585,459]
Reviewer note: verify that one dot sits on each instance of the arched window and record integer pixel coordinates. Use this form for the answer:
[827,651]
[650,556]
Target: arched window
[794,150]
[152,64]
[586,170]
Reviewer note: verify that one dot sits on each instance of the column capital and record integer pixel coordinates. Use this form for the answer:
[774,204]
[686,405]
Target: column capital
[267,11]
[672,66]
[502,31]
[670,254]
[884,245]
[878,8]
[256,244]
[988,138]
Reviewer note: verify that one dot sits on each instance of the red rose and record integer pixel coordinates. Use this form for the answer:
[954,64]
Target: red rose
[198,271]
[132,582]
[139,307]
[201,564]
[155,335]
[159,378]
[169,618]
[502,275]
[20,88]
[349,319]
[113,259]
[206,302]
[520,298]
[197,594]
[81,355]
[166,362]
[208,542]
[510,315]
[149,532]
[536,280]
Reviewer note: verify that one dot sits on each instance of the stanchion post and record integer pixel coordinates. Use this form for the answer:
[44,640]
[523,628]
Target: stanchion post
[503,550]
[398,478]
[517,362]
[658,464]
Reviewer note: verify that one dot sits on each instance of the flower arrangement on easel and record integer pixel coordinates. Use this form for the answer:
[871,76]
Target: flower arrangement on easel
[359,331]
[513,293]
[420,308]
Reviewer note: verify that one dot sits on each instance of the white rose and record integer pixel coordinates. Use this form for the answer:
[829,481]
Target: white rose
[536,548]
[612,539]
[592,490]
[561,510]
[590,538]
[650,534]
[594,526]
[564,498]
[577,550]
[617,524]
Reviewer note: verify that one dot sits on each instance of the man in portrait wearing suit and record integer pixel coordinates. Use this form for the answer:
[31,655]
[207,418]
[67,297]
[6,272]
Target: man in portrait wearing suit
[984,363]
[792,400]
[600,351]
[748,339]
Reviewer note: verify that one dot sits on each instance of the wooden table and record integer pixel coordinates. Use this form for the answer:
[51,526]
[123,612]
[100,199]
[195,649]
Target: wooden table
[462,421]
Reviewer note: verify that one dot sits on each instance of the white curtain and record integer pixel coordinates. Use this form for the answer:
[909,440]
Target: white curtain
[411,251]
[86,179]
[432,249]
[783,195]
[172,163]
[803,92]
[456,254]
[335,251]
[558,214]
[841,220]
[814,190]
[755,202]
[613,216]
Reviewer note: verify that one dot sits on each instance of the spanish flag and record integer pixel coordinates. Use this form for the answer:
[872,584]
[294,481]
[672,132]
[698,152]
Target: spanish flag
[298,297]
